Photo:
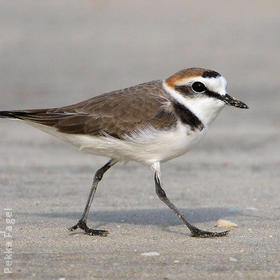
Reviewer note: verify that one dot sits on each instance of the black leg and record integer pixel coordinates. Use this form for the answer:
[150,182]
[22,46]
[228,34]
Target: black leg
[196,232]
[82,224]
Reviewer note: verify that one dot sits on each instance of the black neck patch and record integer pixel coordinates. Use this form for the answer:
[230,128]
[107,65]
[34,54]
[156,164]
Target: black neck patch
[187,117]
[210,74]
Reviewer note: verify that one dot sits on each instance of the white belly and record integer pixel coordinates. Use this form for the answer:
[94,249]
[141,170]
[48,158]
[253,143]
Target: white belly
[147,146]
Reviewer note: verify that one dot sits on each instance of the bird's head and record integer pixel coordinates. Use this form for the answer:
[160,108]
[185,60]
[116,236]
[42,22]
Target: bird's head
[202,91]
[198,83]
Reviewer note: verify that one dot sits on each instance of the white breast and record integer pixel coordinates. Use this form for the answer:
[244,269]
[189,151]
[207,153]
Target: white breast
[147,146]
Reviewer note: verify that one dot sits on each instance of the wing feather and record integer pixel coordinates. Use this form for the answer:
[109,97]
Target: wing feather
[118,113]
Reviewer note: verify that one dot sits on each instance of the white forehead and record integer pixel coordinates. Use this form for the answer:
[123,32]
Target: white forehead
[217,84]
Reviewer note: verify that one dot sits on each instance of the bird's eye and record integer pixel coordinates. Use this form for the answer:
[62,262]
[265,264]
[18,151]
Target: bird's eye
[198,87]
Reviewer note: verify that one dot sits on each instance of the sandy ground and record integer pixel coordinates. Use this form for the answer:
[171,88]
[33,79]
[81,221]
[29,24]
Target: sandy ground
[55,53]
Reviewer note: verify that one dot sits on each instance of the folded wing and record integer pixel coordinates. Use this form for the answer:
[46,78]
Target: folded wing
[117,113]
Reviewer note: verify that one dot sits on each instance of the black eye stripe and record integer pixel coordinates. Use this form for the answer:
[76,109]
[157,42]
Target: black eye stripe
[188,92]
[196,87]
[213,94]
[184,89]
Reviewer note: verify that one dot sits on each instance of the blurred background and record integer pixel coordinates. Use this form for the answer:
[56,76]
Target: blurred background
[58,52]
[55,53]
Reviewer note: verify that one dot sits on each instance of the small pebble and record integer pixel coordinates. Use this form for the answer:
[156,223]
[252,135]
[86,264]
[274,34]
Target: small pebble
[233,259]
[176,261]
[225,223]
[150,254]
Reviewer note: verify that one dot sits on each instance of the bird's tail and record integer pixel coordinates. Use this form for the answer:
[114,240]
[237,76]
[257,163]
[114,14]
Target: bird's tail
[48,117]
[12,114]
[35,115]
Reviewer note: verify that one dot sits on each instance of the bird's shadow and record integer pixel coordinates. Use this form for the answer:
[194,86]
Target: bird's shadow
[157,217]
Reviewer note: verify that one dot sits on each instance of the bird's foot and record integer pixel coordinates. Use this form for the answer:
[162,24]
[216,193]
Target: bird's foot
[196,232]
[82,225]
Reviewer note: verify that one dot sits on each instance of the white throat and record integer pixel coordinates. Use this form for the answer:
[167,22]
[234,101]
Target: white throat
[204,107]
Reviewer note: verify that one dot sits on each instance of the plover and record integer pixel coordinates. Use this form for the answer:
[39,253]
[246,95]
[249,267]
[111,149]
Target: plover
[148,123]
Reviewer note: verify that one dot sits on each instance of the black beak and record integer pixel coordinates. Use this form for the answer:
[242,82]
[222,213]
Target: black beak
[234,102]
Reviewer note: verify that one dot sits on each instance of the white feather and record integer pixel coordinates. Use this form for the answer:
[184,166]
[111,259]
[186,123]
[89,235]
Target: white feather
[148,146]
